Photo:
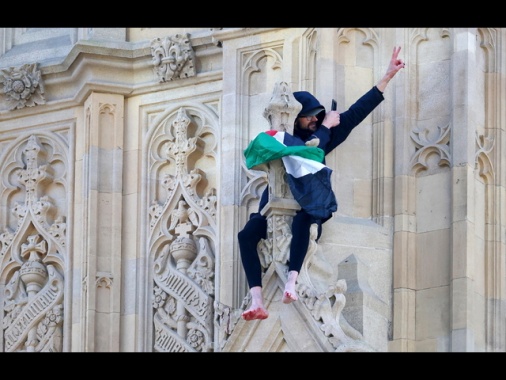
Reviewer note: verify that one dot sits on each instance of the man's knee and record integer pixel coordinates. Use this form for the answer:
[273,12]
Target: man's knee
[255,229]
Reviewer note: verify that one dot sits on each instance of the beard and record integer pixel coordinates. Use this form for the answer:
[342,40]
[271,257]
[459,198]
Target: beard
[303,134]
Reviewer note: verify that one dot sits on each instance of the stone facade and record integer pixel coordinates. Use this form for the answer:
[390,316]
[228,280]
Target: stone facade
[123,187]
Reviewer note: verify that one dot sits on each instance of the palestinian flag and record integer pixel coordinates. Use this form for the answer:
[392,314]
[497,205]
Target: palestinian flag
[307,176]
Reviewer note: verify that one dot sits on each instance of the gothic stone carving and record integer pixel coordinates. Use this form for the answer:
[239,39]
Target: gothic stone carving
[182,230]
[23,86]
[32,252]
[173,57]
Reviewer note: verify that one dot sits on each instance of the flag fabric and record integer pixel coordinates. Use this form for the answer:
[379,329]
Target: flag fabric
[307,177]
[268,146]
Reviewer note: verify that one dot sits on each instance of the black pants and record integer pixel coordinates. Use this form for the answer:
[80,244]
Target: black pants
[256,229]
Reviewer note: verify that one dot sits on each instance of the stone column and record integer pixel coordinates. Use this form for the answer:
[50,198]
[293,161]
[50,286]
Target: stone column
[100,144]
[281,207]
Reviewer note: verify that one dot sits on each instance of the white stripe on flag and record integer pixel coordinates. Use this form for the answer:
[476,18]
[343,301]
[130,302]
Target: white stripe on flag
[299,166]
[280,136]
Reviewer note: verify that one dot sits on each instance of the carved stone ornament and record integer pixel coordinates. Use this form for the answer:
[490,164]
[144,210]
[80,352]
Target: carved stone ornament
[33,249]
[182,228]
[23,86]
[173,57]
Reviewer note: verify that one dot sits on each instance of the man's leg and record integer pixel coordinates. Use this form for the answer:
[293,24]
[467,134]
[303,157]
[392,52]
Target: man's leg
[298,249]
[254,230]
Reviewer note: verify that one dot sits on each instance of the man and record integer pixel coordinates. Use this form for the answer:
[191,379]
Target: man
[331,129]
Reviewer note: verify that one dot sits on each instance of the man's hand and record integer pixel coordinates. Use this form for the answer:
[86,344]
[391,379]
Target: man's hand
[313,142]
[394,66]
[395,63]
[332,119]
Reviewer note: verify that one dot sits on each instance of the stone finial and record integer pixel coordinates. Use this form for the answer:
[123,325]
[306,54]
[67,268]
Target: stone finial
[282,109]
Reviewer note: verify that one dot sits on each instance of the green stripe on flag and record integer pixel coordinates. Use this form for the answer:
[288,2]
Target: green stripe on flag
[266,148]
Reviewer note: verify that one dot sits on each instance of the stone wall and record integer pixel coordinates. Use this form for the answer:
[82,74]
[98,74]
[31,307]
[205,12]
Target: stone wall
[123,188]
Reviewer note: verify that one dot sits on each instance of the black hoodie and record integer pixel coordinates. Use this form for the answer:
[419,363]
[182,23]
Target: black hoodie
[330,138]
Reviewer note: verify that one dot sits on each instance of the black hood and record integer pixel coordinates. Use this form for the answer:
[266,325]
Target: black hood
[310,106]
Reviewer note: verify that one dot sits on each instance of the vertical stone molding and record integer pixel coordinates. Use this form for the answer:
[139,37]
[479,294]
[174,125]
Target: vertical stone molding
[489,164]
[100,262]
[23,86]
[173,57]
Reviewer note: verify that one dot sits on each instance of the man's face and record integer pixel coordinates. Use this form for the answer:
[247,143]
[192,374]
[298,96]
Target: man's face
[307,123]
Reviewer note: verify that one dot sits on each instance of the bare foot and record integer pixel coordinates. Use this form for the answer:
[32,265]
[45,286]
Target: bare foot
[255,313]
[290,295]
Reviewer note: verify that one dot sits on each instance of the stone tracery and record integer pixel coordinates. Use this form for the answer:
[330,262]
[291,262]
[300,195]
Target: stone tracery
[183,255]
[32,302]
